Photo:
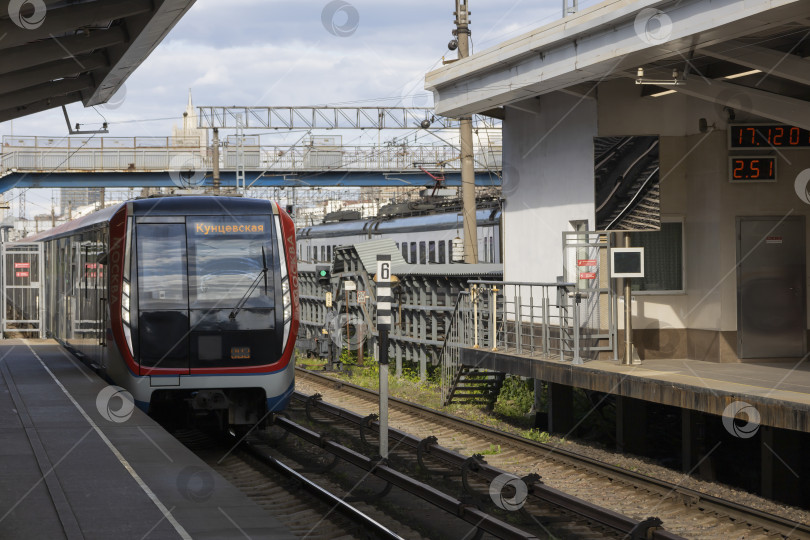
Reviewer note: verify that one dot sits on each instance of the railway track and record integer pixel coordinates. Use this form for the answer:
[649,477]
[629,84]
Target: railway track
[683,511]
[306,508]
[322,498]
[357,494]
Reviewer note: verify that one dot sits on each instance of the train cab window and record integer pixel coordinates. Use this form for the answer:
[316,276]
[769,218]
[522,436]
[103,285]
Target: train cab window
[162,266]
[405,251]
[422,253]
[431,252]
[412,260]
[442,252]
[223,266]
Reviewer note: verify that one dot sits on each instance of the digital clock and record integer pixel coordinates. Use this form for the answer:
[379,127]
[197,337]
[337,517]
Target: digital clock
[764,136]
[752,169]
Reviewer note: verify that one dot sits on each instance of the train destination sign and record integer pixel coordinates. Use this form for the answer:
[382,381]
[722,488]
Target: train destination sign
[752,169]
[764,136]
[218,228]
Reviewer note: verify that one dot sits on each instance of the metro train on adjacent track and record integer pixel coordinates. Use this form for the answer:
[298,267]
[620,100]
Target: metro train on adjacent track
[423,239]
[188,303]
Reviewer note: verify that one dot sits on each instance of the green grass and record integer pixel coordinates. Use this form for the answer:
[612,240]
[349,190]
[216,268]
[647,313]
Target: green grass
[536,435]
[512,411]
[494,449]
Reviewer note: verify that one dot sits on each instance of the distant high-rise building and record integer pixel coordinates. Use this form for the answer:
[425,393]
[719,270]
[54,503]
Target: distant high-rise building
[188,134]
[72,198]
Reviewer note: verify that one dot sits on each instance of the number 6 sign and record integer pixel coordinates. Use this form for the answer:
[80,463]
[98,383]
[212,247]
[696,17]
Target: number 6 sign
[384,298]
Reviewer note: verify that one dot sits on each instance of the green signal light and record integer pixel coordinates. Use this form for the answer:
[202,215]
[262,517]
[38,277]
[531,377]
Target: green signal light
[323,273]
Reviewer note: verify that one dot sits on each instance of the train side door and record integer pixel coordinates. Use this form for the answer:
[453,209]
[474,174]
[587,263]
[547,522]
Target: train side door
[771,296]
[163,316]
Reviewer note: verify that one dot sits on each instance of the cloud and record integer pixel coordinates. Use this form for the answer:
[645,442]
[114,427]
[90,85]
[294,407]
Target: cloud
[278,52]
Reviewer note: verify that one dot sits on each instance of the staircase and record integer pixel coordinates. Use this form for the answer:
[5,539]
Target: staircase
[475,386]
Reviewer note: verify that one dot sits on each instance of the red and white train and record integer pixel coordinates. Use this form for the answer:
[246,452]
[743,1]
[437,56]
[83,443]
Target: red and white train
[188,303]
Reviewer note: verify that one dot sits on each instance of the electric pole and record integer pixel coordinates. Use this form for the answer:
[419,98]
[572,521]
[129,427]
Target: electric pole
[215,160]
[462,33]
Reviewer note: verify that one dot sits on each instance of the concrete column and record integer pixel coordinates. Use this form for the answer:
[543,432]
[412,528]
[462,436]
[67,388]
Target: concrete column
[782,461]
[560,408]
[689,434]
[540,416]
[631,425]
[766,461]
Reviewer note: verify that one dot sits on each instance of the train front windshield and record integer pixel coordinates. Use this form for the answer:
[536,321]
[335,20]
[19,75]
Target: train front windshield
[205,300]
[226,261]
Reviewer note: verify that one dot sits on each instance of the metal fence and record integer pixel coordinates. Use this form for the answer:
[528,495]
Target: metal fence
[22,277]
[422,310]
[536,320]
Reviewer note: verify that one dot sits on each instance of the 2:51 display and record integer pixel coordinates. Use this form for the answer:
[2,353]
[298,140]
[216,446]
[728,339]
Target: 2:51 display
[761,169]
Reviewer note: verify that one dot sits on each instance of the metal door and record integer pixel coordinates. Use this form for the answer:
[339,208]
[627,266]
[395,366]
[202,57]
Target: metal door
[771,297]
[586,263]
[22,291]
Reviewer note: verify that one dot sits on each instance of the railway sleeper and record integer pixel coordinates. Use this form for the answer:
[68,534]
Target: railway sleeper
[536,489]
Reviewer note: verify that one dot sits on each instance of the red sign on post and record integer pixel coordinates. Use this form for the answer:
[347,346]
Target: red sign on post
[587,275]
[21,274]
[22,265]
[586,262]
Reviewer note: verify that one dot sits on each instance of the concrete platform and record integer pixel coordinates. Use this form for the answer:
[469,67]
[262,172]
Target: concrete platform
[780,391]
[66,471]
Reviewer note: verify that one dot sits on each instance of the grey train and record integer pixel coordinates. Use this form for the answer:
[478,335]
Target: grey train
[424,239]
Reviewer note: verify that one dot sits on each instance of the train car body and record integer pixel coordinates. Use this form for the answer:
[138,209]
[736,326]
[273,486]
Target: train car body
[189,301]
[422,239]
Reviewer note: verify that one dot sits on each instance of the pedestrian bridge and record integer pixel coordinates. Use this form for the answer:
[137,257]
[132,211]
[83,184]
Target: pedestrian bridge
[29,162]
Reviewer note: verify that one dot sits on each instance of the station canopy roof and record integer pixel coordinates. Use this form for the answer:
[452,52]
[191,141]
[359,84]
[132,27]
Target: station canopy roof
[56,52]
[749,54]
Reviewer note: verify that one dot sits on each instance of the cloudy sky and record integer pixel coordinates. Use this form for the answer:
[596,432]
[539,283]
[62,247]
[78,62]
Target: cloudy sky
[291,52]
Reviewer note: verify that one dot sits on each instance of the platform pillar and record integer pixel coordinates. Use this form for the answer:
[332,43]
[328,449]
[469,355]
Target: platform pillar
[780,464]
[560,408]
[689,434]
[766,461]
[540,417]
[631,425]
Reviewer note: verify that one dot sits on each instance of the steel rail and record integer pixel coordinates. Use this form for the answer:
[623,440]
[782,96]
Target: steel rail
[714,504]
[537,489]
[378,468]
[368,523]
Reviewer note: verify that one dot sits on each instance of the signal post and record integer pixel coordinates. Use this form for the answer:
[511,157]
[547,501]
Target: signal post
[384,299]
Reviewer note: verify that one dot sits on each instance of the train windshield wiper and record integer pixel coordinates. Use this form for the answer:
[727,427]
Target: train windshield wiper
[263,272]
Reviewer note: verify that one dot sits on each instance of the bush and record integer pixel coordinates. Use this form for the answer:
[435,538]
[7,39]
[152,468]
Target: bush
[516,397]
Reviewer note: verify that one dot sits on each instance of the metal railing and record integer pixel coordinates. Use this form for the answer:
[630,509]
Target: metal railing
[537,320]
[128,154]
